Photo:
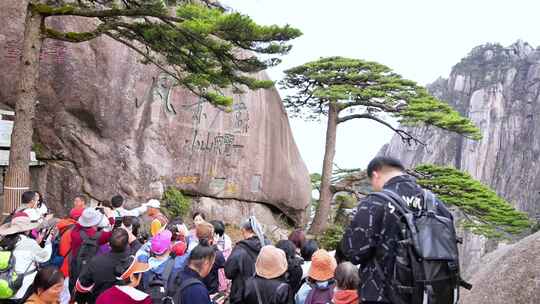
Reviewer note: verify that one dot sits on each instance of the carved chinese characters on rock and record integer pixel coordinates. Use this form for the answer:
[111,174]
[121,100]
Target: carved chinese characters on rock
[52,52]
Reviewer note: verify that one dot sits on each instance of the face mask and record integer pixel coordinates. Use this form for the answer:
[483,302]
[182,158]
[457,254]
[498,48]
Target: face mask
[322,284]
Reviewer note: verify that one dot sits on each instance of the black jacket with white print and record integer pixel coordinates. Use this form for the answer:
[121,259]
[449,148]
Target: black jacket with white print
[374,233]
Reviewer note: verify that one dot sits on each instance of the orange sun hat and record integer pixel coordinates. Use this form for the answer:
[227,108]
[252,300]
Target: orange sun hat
[323,266]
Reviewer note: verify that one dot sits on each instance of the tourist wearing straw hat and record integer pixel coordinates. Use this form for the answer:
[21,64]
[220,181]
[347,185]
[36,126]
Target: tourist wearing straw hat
[320,284]
[269,285]
[28,253]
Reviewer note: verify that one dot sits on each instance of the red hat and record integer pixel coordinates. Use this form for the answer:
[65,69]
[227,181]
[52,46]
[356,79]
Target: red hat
[179,248]
[75,213]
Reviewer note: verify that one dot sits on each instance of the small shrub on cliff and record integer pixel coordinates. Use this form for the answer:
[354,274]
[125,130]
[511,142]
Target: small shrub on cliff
[536,228]
[330,239]
[176,204]
[344,202]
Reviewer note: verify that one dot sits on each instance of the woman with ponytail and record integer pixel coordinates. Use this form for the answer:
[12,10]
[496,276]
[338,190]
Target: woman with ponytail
[187,286]
[240,265]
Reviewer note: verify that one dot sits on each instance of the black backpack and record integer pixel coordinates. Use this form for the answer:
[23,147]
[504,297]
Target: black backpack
[185,283]
[87,251]
[156,285]
[427,262]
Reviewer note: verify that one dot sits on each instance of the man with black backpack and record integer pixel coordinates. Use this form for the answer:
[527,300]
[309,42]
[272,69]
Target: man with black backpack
[404,240]
[85,241]
[99,275]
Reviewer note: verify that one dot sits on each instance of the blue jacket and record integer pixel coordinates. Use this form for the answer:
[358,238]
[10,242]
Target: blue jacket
[193,294]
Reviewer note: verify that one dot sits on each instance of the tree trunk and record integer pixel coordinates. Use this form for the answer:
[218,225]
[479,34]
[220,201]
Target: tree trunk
[320,222]
[18,174]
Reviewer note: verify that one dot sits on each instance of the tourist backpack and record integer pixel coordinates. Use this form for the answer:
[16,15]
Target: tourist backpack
[185,283]
[89,248]
[319,295]
[10,281]
[156,286]
[242,273]
[426,270]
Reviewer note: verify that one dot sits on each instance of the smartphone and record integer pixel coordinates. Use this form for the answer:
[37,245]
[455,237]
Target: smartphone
[118,222]
[46,236]
[218,297]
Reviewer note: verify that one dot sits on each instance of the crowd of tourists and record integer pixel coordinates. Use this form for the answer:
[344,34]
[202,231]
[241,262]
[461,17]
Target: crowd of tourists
[110,254]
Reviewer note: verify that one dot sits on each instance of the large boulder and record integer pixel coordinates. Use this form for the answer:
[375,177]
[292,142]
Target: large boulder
[511,274]
[108,124]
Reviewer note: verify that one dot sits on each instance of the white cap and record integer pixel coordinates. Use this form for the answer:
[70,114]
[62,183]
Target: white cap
[153,203]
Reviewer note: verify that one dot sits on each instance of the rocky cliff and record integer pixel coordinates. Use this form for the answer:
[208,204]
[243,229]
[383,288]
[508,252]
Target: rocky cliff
[498,88]
[510,274]
[108,124]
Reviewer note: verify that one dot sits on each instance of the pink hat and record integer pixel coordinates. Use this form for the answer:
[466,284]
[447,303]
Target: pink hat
[161,242]
[75,213]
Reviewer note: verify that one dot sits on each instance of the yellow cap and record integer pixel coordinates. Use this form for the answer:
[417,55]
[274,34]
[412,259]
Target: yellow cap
[155,227]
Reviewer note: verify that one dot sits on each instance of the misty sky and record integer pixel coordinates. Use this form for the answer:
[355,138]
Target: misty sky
[420,39]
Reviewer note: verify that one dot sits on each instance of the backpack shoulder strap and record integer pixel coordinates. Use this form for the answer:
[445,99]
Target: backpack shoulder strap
[429,201]
[183,285]
[394,199]
[83,234]
[168,270]
[309,297]
[86,239]
[259,300]
[97,235]
[406,215]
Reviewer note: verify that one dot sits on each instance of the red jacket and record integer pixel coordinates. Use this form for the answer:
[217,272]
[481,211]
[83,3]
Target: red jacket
[346,297]
[76,240]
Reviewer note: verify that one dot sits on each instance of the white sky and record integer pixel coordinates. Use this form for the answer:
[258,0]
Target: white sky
[420,39]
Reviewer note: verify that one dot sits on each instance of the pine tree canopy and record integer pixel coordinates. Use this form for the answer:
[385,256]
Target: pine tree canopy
[204,47]
[366,89]
[485,212]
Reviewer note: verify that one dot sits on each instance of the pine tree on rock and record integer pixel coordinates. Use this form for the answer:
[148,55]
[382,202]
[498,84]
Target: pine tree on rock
[344,89]
[479,208]
[203,47]
[485,212]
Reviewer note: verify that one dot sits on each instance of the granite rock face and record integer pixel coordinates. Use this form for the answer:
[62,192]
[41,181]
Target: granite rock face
[108,124]
[511,274]
[498,88]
